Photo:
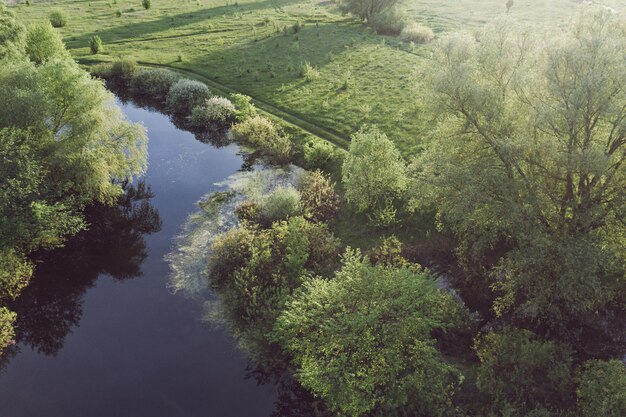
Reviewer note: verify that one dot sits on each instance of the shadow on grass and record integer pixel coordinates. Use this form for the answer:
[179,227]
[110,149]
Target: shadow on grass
[133,31]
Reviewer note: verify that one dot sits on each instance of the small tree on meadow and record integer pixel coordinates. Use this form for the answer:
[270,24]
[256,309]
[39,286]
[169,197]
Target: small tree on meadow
[374,171]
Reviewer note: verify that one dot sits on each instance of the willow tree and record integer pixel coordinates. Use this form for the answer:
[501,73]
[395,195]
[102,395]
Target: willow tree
[528,167]
[63,144]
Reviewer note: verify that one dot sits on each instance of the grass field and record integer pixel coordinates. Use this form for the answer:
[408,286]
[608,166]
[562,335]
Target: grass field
[250,46]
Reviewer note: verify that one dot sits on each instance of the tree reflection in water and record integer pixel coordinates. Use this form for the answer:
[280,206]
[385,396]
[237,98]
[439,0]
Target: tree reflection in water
[114,245]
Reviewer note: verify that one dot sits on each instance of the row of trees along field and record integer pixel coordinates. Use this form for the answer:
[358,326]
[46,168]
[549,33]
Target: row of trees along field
[525,169]
[64,144]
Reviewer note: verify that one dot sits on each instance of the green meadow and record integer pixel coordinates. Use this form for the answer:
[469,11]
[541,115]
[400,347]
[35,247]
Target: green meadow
[258,48]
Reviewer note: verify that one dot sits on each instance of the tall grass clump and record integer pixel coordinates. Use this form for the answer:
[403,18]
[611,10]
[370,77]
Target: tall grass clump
[215,111]
[416,32]
[186,94]
[264,135]
[58,19]
[153,82]
[146,4]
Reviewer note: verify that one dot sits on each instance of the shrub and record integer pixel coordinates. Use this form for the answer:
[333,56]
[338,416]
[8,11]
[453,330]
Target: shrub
[263,134]
[43,43]
[186,94]
[118,13]
[95,45]
[216,110]
[319,199]
[522,374]
[58,19]
[309,72]
[280,204]
[389,23]
[254,270]
[602,388]
[249,211]
[374,172]
[362,340]
[146,4]
[123,70]
[153,82]
[418,33]
[317,153]
[244,109]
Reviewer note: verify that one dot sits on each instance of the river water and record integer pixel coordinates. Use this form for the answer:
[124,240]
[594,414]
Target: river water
[100,331]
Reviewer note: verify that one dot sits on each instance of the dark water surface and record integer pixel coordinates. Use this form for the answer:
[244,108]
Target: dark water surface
[100,333]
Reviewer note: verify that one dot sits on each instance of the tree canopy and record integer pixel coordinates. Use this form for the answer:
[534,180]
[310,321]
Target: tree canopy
[528,166]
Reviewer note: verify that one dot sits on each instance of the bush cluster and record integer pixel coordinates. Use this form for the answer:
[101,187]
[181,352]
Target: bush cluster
[318,197]
[216,111]
[186,94]
[58,19]
[265,135]
[416,32]
[153,82]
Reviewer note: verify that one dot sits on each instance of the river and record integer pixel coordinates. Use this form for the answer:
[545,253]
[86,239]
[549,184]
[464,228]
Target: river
[101,333]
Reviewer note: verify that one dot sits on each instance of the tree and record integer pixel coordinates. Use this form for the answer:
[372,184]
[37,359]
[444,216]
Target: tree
[95,45]
[366,9]
[602,388]
[12,35]
[64,144]
[523,375]
[528,169]
[43,43]
[361,341]
[374,171]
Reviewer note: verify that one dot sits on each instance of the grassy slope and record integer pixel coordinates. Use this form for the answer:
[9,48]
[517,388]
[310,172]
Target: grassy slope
[242,46]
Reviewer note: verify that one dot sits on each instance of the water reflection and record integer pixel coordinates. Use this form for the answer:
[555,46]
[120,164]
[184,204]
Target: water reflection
[114,244]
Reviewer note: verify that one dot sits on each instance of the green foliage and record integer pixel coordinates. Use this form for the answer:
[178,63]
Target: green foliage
[318,154]
[366,9]
[12,35]
[123,70]
[373,172]
[389,252]
[63,145]
[264,135]
[253,270]
[186,94]
[244,109]
[95,45]
[309,72]
[361,341]
[58,19]
[215,111]
[390,22]
[522,374]
[15,273]
[319,199]
[7,318]
[602,388]
[153,82]
[280,204]
[417,33]
[543,122]
[43,43]
[146,4]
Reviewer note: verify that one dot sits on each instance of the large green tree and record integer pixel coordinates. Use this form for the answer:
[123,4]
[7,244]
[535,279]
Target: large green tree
[64,144]
[527,167]
[362,340]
